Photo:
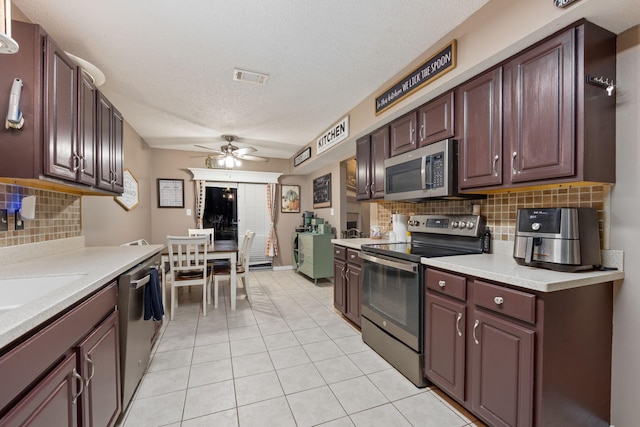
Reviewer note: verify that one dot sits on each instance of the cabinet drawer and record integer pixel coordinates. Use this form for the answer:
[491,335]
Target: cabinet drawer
[353,256]
[340,252]
[507,301]
[447,284]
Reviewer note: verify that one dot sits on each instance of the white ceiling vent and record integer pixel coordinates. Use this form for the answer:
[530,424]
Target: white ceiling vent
[249,76]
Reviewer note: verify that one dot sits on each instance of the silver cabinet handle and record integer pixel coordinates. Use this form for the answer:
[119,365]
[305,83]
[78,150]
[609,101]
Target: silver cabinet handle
[77,376]
[93,370]
[475,327]
[442,283]
[421,132]
[458,324]
[342,272]
[76,161]
[498,300]
[495,163]
[513,162]
[84,165]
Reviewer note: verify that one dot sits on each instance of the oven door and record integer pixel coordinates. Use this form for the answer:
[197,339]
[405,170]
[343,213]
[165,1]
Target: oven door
[392,297]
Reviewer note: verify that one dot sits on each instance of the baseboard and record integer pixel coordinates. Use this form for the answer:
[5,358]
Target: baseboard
[282,267]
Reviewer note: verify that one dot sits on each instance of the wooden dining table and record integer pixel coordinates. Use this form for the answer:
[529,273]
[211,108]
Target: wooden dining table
[220,249]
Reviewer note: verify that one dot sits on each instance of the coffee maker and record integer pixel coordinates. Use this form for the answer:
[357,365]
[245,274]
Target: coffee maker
[307,216]
[561,239]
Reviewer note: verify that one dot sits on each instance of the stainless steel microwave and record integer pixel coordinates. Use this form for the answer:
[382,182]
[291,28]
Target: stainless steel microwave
[427,172]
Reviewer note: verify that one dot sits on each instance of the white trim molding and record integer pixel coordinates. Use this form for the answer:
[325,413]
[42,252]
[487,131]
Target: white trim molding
[225,175]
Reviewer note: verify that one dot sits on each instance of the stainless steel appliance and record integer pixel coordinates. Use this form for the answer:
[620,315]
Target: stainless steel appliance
[562,239]
[137,335]
[428,172]
[393,286]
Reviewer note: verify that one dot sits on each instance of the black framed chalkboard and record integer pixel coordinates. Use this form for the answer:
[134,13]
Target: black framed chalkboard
[322,192]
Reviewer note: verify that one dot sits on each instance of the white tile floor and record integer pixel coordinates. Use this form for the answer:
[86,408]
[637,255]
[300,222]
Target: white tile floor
[289,359]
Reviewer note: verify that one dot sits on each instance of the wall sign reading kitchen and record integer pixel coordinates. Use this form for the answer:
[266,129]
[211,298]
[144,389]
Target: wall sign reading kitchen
[335,134]
[436,66]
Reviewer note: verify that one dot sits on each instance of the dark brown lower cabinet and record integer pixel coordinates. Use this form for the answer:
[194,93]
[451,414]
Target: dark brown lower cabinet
[51,402]
[445,332]
[67,373]
[346,277]
[502,373]
[517,357]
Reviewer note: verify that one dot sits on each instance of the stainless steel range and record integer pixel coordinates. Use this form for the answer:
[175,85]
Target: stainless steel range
[393,286]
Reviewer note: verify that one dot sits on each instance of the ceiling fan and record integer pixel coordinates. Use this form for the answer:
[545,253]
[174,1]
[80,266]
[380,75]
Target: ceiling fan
[229,155]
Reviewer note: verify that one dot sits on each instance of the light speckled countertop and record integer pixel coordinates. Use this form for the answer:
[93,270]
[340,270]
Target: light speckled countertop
[501,267]
[98,265]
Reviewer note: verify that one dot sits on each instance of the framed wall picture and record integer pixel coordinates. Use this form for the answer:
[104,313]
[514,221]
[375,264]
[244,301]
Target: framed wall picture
[322,192]
[290,200]
[129,198]
[170,193]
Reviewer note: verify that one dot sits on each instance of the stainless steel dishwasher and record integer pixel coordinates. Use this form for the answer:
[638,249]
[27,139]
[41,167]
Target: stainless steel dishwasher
[137,335]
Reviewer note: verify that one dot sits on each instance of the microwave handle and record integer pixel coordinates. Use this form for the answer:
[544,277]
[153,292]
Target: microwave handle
[427,173]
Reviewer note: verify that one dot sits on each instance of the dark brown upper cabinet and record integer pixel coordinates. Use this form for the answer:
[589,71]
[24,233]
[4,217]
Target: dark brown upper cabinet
[556,127]
[480,131]
[403,136]
[56,148]
[371,152]
[110,146]
[436,120]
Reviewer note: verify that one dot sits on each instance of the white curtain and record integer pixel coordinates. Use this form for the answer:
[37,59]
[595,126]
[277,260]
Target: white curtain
[272,242]
[201,192]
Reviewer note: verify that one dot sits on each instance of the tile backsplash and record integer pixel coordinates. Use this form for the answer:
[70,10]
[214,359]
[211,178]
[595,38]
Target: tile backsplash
[58,215]
[500,209]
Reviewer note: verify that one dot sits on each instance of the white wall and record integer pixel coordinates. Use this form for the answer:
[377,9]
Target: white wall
[625,234]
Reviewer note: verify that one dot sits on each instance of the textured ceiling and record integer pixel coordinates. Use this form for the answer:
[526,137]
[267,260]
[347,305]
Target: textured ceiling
[169,65]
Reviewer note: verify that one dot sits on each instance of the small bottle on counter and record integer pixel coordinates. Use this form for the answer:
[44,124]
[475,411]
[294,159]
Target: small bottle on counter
[486,241]
[408,239]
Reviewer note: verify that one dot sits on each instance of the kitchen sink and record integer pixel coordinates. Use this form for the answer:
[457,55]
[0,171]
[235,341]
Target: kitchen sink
[19,291]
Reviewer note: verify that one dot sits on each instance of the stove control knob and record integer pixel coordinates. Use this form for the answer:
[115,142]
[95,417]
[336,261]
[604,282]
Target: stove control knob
[454,224]
[470,225]
[462,224]
[535,226]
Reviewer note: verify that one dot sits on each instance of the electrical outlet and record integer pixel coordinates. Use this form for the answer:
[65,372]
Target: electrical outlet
[4,223]
[19,221]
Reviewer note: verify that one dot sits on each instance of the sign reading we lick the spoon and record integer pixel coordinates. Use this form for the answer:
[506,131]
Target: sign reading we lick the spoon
[436,66]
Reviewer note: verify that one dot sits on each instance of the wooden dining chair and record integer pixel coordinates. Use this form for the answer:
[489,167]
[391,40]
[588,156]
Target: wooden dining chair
[203,232]
[242,269]
[188,266]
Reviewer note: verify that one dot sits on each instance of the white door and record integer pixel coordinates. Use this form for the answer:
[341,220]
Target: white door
[252,215]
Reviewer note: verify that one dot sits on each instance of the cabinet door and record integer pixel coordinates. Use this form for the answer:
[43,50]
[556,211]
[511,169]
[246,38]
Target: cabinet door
[436,120]
[539,110]
[86,149]
[100,367]
[379,152]
[53,402]
[444,338]
[353,291]
[339,285]
[104,136]
[502,371]
[60,121]
[117,152]
[363,168]
[480,131]
[403,134]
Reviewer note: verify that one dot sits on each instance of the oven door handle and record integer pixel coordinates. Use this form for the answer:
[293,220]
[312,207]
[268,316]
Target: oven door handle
[137,284]
[411,267]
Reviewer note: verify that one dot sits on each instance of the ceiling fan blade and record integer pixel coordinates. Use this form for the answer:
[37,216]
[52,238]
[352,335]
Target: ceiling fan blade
[210,149]
[254,158]
[245,150]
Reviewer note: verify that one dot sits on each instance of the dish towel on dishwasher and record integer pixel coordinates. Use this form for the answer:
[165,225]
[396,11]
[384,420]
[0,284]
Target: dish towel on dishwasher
[153,298]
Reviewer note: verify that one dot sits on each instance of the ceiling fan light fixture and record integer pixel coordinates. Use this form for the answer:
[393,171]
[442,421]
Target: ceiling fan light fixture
[250,76]
[7,44]
[228,161]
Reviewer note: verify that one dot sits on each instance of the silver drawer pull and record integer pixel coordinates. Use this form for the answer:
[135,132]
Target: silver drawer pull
[442,283]
[458,324]
[498,300]
[475,328]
